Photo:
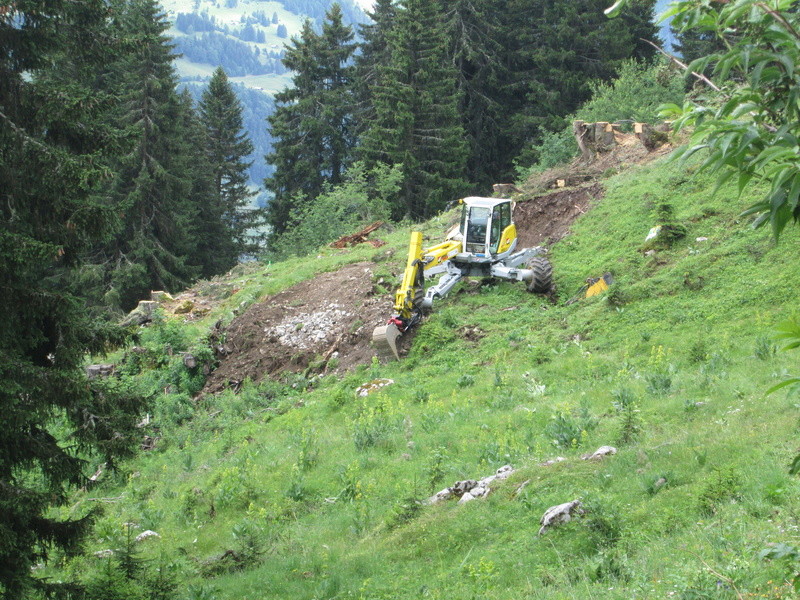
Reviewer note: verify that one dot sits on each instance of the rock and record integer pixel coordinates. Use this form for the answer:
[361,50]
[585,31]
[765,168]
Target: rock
[460,488]
[445,494]
[160,296]
[146,534]
[469,489]
[562,513]
[504,472]
[94,371]
[371,386]
[184,307]
[189,361]
[504,189]
[466,498]
[601,452]
[701,239]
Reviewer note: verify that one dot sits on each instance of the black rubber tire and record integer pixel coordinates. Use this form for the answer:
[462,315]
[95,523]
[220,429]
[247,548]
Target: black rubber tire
[419,296]
[542,280]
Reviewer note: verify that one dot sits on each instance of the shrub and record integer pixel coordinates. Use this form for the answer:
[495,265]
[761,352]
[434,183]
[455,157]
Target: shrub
[567,431]
[362,199]
[722,486]
[631,425]
[375,424]
[404,511]
[635,95]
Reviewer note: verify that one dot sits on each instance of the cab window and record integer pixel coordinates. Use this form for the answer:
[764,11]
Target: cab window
[494,238]
[505,215]
[478,220]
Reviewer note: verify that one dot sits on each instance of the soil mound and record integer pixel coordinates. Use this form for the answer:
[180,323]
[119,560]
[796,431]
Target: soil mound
[328,317]
[546,219]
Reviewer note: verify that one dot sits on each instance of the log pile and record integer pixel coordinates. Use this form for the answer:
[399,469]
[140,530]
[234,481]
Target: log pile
[360,237]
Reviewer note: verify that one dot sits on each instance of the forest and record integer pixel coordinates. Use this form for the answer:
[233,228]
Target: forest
[453,95]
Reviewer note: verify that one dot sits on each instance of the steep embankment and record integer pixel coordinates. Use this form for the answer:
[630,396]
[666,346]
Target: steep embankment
[304,490]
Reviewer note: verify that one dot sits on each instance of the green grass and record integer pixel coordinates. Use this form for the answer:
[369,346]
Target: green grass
[326,483]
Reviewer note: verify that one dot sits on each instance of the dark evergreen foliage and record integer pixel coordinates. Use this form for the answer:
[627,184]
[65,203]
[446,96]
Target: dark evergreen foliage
[374,52]
[224,234]
[416,121]
[312,124]
[54,141]
[558,48]
[475,31]
[153,187]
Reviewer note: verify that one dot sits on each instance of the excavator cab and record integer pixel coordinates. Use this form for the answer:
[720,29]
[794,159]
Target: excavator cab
[487,228]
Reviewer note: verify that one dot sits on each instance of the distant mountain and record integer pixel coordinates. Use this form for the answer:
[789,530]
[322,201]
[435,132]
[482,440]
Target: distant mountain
[246,38]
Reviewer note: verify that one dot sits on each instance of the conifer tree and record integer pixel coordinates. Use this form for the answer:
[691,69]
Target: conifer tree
[374,53]
[416,122]
[475,34]
[312,122]
[227,148]
[155,247]
[53,148]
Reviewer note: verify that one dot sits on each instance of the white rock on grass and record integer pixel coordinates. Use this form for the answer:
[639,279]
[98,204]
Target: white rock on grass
[469,489]
[600,453]
[562,513]
[366,389]
[146,534]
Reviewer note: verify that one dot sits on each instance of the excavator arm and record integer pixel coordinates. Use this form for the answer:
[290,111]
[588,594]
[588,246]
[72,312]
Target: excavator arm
[409,296]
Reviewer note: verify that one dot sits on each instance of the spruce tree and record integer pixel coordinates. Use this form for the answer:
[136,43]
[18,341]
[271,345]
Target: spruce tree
[475,34]
[417,124]
[156,244]
[312,125]
[53,148]
[374,52]
[227,148]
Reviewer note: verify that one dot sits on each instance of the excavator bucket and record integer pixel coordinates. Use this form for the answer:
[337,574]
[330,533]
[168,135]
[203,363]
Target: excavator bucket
[384,338]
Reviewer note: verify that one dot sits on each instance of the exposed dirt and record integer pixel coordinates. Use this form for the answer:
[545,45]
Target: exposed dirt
[329,317]
[628,151]
[546,219]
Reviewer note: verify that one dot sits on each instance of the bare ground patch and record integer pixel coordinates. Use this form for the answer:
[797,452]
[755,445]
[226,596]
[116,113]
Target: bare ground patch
[328,317]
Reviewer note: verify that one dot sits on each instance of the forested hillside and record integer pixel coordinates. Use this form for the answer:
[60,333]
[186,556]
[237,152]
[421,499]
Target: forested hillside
[246,38]
[237,436]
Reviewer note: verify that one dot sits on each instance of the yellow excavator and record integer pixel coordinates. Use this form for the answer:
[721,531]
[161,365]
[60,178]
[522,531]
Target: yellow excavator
[484,244]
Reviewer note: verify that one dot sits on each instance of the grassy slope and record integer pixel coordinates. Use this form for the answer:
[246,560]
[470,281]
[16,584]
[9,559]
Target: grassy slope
[686,342]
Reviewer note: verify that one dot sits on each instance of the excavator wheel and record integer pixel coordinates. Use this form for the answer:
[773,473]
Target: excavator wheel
[542,280]
[419,296]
